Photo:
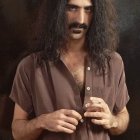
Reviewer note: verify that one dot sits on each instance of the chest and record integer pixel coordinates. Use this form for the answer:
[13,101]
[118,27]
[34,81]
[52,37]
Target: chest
[63,92]
[77,70]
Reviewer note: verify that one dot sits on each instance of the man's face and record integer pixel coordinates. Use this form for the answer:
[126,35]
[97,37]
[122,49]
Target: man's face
[79,15]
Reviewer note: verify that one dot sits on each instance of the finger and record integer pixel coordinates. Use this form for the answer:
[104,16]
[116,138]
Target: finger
[73,114]
[63,129]
[102,122]
[94,114]
[68,125]
[94,107]
[96,99]
[68,119]
[97,102]
[71,120]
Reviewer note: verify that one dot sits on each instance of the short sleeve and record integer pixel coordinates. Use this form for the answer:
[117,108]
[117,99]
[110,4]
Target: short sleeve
[122,96]
[20,92]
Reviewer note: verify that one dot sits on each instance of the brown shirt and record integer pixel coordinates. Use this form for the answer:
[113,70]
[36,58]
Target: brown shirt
[41,87]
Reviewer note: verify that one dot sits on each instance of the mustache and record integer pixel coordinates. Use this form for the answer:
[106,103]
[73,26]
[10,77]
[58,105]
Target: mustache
[78,25]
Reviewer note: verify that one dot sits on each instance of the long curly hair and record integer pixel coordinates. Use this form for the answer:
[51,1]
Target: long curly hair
[102,35]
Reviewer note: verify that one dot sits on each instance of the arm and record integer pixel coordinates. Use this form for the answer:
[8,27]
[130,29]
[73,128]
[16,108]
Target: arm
[100,113]
[22,128]
[62,120]
[120,122]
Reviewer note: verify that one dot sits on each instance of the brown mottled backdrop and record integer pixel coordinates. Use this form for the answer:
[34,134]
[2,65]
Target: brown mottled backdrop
[18,37]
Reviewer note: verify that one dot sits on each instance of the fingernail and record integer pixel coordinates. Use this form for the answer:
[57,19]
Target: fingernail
[86,105]
[81,120]
[91,98]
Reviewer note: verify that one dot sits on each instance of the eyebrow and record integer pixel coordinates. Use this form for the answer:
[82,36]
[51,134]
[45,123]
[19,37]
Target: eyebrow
[73,5]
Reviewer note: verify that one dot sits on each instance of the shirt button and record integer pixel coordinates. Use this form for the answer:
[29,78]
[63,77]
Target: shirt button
[82,120]
[88,68]
[88,88]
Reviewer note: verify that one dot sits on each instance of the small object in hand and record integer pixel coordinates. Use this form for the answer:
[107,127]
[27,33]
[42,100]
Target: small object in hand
[95,101]
[81,120]
[87,105]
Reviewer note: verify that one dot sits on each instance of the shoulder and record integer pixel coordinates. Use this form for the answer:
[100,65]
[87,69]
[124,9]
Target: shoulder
[116,59]
[29,62]
[116,62]
[31,59]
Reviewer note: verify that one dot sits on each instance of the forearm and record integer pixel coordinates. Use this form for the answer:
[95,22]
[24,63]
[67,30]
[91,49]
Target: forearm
[26,129]
[120,122]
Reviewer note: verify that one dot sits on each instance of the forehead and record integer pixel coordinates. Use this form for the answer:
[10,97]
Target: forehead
[80,3]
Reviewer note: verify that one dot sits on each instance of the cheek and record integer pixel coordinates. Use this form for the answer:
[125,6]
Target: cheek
[70,17]
[89,23]
[89,19]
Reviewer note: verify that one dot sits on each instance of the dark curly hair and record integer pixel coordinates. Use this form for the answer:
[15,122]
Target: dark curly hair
[102,36]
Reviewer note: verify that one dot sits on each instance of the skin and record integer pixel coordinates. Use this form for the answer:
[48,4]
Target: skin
[65,120]
[81,12]
[100,113]
[62,120]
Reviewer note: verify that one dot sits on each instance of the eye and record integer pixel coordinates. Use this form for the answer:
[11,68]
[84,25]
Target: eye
[71,8]
[89,9]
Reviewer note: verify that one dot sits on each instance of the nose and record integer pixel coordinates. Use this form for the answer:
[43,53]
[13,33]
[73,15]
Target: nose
[81,16]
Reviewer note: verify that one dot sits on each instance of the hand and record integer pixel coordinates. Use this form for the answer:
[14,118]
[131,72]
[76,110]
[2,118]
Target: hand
[62,120]
[100,113]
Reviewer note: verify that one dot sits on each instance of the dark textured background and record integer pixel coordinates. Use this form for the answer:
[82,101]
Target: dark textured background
[18,38]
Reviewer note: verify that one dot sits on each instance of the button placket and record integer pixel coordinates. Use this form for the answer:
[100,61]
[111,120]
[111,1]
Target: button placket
[88,68]
[88,82]
[88,88]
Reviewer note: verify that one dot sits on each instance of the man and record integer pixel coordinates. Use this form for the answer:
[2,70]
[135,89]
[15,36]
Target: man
[74,89]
